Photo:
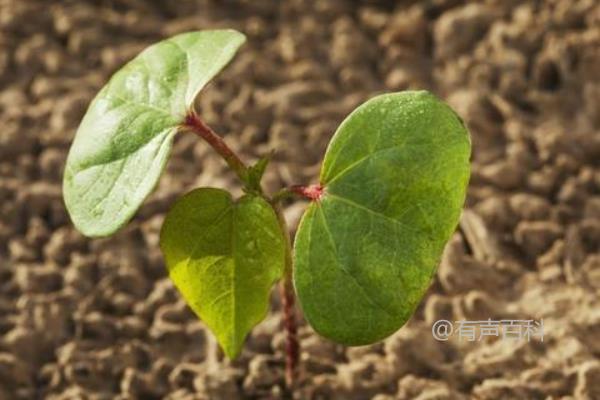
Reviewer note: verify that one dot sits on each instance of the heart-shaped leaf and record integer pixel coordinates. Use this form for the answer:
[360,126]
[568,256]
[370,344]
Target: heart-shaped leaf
[394,180]
[125,137]
[224,256]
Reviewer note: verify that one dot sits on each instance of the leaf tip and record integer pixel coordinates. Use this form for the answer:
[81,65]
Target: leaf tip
[232,351]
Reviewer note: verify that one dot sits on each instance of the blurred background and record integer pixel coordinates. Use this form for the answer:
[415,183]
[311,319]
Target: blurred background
[99,319]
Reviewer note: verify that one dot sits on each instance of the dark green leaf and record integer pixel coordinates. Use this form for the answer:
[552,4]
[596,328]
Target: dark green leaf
[224,256]
[124,139]
[394,177]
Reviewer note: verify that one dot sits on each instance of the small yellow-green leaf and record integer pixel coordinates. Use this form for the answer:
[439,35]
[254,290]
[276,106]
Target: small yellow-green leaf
[224,257]
[394,180]
[256,172]
[124,139]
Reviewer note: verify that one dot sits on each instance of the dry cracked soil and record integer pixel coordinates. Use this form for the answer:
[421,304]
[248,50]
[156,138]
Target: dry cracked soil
[99,319]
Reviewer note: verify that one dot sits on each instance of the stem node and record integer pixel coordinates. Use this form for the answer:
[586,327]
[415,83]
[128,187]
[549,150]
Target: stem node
[311,192]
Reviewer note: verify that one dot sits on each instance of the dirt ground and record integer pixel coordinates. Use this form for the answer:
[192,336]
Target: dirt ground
[98,319]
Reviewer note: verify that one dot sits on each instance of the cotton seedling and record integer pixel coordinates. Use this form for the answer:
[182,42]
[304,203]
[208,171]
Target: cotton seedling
[389,196]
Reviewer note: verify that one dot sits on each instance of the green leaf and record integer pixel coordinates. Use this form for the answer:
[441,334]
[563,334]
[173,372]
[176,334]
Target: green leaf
[256,172]
[224,256]
[394,177]
[124,140]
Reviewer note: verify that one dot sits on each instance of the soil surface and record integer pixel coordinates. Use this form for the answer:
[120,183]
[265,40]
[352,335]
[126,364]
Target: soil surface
[99,319]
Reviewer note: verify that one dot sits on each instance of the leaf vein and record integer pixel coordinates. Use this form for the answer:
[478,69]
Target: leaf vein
[372,212]
[367,295]
[363,159]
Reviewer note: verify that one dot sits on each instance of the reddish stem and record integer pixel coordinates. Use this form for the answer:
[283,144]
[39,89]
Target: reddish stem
[289,323]
[311,192]
[286,290]
[199,127]
[196,125]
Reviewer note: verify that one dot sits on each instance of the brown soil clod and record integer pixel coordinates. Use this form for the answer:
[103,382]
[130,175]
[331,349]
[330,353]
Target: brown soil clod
[99,319]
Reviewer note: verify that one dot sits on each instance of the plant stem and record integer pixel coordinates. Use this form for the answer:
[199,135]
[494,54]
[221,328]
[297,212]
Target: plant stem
[282,194]
[199,127]
[286,289]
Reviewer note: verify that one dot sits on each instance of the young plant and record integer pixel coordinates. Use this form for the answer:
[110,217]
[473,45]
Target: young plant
[390,194]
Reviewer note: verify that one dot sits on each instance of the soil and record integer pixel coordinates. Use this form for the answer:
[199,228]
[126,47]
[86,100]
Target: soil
[98,319]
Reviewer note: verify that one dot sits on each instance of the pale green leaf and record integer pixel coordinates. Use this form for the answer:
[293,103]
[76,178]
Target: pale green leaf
[224,256]
[124,139]
[394,177]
